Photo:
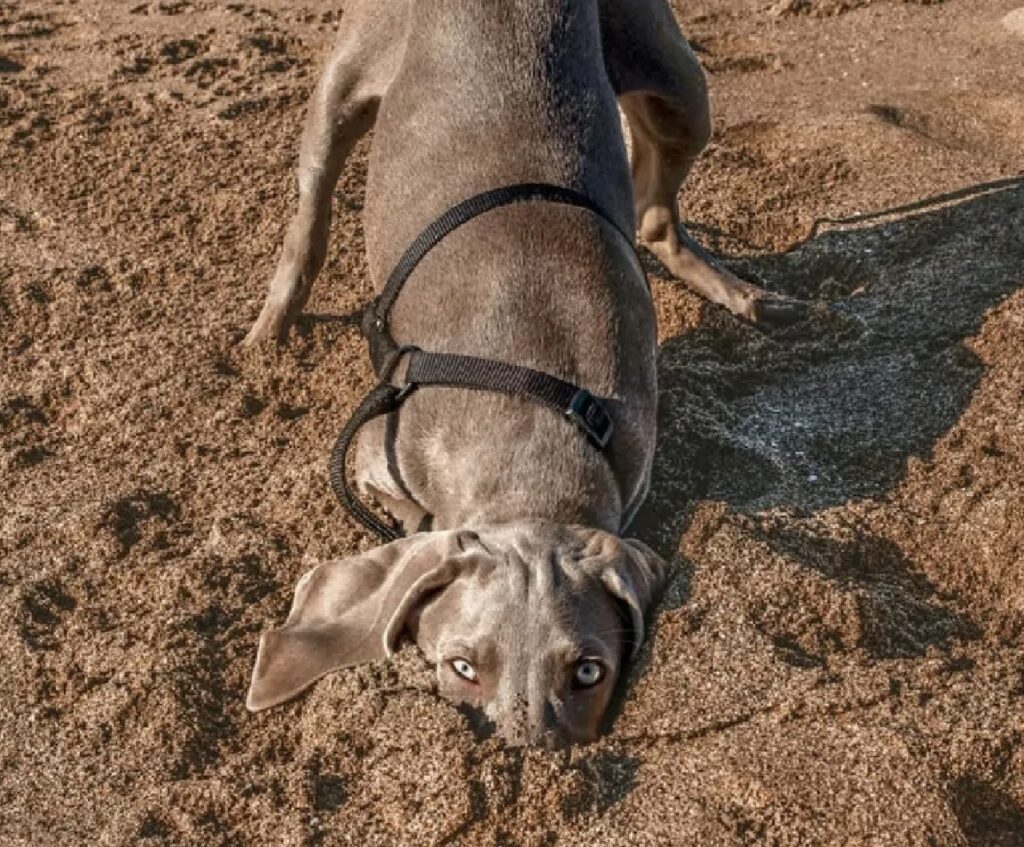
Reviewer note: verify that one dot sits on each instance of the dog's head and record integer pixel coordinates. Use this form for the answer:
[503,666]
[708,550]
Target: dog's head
[528,623]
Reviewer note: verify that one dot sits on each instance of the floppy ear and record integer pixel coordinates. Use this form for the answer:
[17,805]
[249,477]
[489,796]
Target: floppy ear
[350,612]
[631,572]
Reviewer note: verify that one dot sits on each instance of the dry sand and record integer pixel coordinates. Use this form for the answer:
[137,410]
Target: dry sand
[839,659]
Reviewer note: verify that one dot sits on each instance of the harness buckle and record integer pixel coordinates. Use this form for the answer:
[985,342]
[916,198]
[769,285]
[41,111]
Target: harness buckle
[590,415]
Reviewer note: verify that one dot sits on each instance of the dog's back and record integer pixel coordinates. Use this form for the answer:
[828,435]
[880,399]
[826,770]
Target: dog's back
[488,95]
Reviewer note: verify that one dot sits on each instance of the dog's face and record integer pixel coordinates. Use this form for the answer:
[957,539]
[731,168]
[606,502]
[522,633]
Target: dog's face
[528,624]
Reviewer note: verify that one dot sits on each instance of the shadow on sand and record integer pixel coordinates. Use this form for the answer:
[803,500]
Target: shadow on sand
[828,411]
[816,415]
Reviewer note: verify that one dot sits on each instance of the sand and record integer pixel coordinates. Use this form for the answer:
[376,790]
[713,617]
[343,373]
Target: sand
[838,660]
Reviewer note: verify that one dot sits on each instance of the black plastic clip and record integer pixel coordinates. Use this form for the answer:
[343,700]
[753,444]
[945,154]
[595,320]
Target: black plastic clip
[590,415]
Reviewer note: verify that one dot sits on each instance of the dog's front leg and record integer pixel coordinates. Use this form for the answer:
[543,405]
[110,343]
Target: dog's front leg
[341,110]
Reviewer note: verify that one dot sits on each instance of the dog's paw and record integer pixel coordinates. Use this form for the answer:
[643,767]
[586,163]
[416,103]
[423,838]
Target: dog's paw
[271,327]
[772,310]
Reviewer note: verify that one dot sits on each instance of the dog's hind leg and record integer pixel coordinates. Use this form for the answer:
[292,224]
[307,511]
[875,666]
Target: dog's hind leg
[342,109]
[661,89]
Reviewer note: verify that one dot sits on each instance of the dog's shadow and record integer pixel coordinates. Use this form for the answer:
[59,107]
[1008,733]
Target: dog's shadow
[829,410]
[812,416]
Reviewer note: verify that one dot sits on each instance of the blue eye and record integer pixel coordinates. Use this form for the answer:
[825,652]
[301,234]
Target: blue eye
[464,669]
[589,672]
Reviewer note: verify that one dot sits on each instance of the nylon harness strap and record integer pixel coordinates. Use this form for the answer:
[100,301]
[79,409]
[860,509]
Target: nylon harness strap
[577,404]
[424,368]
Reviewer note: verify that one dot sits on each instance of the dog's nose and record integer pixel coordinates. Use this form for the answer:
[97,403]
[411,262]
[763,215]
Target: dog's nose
[518,735]
[544,726]
[514,734]
[550,739]
[511,718]
[529,726]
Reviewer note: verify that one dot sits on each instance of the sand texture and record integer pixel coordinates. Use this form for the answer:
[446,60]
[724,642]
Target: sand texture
[839,659]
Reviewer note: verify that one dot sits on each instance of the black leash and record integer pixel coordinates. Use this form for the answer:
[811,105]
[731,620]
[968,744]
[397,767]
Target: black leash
[586,411]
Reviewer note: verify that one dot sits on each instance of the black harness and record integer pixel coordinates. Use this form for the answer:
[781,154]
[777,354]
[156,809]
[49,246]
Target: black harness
[586,411]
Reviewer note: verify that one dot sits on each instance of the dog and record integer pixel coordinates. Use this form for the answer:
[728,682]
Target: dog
[515,580]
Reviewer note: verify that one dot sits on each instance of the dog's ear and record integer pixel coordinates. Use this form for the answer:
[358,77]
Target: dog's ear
[351,611]
[629,570]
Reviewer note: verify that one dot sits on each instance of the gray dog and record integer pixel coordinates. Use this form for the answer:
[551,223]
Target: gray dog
[515,581]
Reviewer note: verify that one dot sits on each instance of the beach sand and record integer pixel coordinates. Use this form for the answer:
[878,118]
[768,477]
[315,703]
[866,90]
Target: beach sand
[839,659]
